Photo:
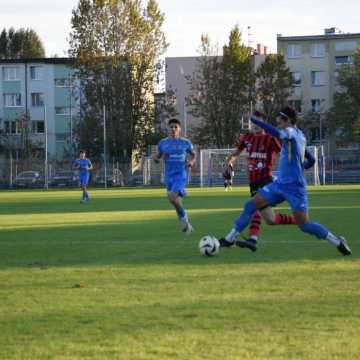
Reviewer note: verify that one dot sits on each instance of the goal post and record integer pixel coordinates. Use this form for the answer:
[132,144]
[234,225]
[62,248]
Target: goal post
[212,162]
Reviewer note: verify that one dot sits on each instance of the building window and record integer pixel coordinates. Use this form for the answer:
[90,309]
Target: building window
[318,78]
[12,100]
[296,104]
[36,72]
[345,46]
[37,99]
[38,127]
[316,105]
[62,110]
[10,73]
[63,82]
[294,51]
[12,127]
[297,78]
[315,134]
[317,50]
[342,60]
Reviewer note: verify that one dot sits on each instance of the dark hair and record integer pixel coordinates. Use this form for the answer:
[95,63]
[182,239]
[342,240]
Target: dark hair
[82,152]
[174,121]
[259,114]
[288,113]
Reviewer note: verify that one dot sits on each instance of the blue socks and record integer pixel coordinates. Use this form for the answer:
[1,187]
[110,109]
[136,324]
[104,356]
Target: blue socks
[244,219]
[314,228]
[181,213]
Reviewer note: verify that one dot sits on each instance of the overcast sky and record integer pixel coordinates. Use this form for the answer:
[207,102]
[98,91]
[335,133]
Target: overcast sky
[186,20]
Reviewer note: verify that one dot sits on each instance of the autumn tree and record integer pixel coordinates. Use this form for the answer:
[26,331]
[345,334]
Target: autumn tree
[115,44]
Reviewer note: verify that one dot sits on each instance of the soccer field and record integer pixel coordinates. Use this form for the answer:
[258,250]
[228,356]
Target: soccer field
[116,279]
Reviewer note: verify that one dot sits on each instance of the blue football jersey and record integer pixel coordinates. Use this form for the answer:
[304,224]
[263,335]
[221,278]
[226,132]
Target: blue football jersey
[291,161]
[83,165]
[174,152]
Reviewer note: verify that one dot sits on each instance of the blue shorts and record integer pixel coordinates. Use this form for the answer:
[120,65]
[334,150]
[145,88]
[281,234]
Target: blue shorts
[176,185]
[294,194]
[84,179]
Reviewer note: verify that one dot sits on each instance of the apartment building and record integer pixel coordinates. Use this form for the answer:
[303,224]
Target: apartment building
[45,90]
[314,61]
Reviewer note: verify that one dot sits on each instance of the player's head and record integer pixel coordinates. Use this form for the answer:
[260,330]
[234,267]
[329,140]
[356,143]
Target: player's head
[286,117]
[174,125]
[254,128]
[82,154]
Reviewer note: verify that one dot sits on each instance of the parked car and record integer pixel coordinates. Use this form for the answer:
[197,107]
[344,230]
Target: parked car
[29,179]
[112,178]
[66,178]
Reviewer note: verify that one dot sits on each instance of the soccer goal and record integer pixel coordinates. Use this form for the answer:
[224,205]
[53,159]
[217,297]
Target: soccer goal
[212,162]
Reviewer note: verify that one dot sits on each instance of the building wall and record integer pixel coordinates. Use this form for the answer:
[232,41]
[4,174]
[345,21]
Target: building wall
[306,63]
[177,70]
[58,126]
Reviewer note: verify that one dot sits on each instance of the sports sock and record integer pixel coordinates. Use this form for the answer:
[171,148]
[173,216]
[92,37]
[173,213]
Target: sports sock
[243,220]
[284,219]
[231,235]
[181,213]
[255,226]
[332,239]
[314,228]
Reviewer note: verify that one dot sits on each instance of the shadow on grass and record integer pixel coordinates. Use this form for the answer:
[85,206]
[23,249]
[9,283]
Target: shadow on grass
[154,243]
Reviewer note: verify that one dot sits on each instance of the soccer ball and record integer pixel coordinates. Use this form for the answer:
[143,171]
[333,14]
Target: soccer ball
[209,245]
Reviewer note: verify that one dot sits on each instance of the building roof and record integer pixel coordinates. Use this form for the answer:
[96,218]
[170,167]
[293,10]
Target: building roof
[55,60]
[319,37]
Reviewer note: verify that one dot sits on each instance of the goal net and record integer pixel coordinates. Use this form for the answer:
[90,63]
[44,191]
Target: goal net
[212,162]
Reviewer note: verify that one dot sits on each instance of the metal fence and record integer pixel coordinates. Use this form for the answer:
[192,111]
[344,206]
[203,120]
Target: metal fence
[31,173]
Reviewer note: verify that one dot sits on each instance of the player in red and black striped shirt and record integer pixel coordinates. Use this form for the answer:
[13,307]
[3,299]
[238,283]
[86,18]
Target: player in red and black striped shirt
[262,150]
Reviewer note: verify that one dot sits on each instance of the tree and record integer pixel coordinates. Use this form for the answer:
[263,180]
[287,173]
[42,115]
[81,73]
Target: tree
[20,44]
[344,116]
[274,84]
[220,90]
[115,44]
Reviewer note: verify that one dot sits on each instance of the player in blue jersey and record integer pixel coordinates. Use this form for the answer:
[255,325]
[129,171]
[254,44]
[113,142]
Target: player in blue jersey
[84,165]
[290,185]
[178,155]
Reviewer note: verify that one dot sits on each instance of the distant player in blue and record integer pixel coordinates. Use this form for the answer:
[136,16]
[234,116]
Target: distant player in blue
[84,166]
[290,184]
[179,156]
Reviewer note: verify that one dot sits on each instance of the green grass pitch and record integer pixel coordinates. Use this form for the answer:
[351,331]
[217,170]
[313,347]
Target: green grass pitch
[116,279]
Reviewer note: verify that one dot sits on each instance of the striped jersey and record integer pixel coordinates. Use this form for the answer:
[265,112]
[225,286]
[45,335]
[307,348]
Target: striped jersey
[261,150]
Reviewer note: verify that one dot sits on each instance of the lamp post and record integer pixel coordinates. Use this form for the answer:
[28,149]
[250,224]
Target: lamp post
[46,149]
[104,137]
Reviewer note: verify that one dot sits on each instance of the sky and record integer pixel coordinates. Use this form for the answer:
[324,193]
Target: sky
[186,20]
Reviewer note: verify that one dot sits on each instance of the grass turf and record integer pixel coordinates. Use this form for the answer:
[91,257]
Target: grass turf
[116,279]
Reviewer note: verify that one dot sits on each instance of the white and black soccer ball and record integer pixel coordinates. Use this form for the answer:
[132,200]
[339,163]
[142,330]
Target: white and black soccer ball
[209,245]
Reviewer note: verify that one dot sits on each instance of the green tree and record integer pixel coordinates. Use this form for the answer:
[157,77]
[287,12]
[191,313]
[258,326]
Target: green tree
[116,44]
[20,44]
[274,85]
[220,90]
[344,116]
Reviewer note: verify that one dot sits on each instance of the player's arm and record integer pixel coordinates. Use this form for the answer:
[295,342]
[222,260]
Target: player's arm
[190,161]
[309,160]
[157,156]
[90,165]
[76,165]
[272,130]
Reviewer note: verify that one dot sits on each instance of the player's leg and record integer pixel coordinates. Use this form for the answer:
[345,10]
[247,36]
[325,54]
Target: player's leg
[272,218]
[299,205]
[257,202]
[176,191]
